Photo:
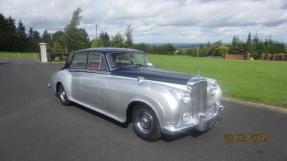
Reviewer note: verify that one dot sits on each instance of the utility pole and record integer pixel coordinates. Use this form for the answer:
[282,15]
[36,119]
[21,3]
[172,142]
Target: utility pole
[96,31]
[196,51]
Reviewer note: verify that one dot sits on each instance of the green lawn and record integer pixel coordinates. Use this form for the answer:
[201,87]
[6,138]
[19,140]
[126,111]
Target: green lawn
[258,81]
[34,56]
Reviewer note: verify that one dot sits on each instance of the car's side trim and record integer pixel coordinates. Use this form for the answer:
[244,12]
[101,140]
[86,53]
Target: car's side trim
[90,71]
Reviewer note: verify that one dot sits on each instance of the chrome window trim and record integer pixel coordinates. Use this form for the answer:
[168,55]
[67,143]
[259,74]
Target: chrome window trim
[108,61]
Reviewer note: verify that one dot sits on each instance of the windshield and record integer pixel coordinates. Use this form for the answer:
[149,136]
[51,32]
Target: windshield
[127,58]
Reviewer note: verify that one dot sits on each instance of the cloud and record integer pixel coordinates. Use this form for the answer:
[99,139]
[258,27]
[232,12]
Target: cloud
[158,20]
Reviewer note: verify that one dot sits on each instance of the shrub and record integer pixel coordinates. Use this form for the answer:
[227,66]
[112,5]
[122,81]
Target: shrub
[57,58]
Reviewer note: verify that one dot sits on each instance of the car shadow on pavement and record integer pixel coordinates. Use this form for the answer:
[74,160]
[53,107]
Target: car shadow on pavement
[165,137]
[123,125]
[192,133]
[3,63]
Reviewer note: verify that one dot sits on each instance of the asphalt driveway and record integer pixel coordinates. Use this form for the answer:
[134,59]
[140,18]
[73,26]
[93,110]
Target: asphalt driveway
[34,126]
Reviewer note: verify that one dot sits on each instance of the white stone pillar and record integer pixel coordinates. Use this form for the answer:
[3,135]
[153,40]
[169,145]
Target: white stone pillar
[43,52]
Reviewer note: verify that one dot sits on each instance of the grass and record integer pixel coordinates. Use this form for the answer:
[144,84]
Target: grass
[257,81]
[34,56]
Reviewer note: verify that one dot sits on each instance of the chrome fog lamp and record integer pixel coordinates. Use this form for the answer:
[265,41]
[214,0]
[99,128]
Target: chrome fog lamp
[218,105]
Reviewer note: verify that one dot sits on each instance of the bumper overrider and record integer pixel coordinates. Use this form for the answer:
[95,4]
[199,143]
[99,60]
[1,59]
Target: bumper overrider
[203,123]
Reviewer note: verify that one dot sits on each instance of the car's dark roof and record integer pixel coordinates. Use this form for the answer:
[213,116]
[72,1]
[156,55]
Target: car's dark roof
[109,50]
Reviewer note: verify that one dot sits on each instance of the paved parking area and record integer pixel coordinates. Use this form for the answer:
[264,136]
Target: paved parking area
[34,126]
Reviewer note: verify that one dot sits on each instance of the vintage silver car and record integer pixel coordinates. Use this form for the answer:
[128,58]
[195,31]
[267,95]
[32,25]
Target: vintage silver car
[122,84]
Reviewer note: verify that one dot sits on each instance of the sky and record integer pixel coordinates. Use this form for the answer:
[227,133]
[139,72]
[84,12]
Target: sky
[158,21]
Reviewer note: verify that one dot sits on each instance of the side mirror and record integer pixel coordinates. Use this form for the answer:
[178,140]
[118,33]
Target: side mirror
[149,64]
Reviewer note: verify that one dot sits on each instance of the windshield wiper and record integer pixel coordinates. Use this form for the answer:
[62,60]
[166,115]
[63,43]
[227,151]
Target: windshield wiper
[130,65]
[139,65]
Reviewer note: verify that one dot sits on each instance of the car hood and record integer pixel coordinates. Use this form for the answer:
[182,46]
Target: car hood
[150,73]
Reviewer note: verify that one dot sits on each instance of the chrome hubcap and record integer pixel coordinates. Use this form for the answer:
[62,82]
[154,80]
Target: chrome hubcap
[144,122]
[63,95]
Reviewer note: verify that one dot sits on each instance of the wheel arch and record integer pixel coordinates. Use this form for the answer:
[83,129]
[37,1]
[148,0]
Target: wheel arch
[132,105]
[61,77]
[58,85]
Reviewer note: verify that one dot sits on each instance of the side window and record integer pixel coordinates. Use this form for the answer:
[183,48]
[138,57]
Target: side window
[96,61]
[79,60]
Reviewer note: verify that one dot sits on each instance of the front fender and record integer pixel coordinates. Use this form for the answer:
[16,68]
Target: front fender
[64,77]
[166,101]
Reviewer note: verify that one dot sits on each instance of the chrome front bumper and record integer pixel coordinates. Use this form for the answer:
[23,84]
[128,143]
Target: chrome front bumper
[203,123]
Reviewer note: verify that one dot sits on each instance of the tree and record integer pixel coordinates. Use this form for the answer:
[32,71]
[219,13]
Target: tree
[105,39]
[142,47]
[166,49]
[249,45]
[30,39]
[117,40]
[261,48]
[33,40]
[46,37]
[11,40]
[222,49]
[21,37]
[30,33]
[102,41]
[129,36]
[237,46]
[218,49]
[76,18]
[255,46]
[58,43]
[96,43]
[75,38]
[3,32]
[82,40]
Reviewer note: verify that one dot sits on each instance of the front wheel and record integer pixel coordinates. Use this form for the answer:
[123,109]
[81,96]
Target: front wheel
[62,95]
[146,124]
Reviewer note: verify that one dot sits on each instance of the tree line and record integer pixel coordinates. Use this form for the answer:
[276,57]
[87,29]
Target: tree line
[14,37]
[126,41]
[254,46]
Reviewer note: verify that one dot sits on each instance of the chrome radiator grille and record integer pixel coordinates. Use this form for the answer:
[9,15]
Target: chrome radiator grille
[199,97]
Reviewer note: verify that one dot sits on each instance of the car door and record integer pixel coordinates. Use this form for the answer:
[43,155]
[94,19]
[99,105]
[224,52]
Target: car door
[77,68]
[95,82]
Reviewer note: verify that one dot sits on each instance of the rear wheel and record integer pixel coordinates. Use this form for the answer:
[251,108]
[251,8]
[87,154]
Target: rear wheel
[145,123]
[62,95]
